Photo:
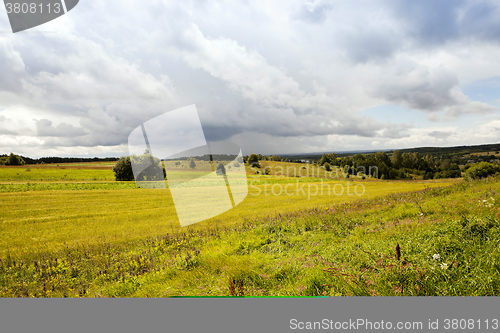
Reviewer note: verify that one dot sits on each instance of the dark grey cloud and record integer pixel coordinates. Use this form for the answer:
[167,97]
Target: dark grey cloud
[399,26]
[12,68]
[428,21]
[433,23]
[4,131]
[364,45]
[440,134]
[482,20]
[417,87]
[396,131]
[44,128]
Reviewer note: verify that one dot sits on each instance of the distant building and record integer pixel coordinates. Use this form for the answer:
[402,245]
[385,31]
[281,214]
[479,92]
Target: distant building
[471,161]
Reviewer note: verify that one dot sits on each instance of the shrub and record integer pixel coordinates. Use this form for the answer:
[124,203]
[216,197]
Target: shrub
[123,169]
[327,166]
[253,161]
[220,169]
[481,170]
[192,163]
[448,174]
[147,167]
[429,175]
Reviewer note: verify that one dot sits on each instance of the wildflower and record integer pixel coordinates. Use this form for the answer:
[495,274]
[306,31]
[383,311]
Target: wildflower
[444,265]
[436,256]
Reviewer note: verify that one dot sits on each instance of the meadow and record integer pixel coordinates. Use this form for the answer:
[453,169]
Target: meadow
[126,241]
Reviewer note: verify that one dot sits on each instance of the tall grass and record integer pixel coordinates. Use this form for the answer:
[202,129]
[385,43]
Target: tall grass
[448,238]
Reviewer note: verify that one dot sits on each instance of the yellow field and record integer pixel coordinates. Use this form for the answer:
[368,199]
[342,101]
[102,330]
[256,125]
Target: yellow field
[37,221]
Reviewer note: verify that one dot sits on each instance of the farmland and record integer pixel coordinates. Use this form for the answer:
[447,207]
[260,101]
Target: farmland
[71,230]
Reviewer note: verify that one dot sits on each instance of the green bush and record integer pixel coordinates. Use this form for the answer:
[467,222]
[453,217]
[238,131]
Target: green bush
[192,163]
[253,161]
[123,169]
[149,167]
[448,174]
[327,166]
[481,170]
[220,169]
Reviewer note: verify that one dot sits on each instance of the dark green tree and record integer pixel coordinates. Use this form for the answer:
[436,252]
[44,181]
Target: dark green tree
[397,159]
[192,163]
[123,169]
[147,167]
[253,161]
[220,169]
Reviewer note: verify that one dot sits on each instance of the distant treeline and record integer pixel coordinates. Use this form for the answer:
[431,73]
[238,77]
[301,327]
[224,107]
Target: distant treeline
[397,166]
[274,158]
[206,157]
[443,153]
[459,150]
[13,159]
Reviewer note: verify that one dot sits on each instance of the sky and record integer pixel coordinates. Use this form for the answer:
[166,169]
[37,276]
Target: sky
[271,76]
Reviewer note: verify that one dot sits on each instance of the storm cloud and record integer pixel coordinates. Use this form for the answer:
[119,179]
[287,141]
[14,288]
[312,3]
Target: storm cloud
[286,76]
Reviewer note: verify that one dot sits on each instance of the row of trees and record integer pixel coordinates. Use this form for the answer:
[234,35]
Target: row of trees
[149,168]
[44,160]
[260,157]
[398,166]
[11,159]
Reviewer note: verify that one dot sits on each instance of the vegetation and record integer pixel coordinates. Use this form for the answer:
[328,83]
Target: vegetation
[60,160]
[397,166]
[253,161]
[11,159]
[123,169]
[148,168]
[482,170]
[192,164]
[447,238]
[406,237]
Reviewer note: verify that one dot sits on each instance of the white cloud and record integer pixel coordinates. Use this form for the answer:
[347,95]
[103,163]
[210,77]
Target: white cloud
[281,76]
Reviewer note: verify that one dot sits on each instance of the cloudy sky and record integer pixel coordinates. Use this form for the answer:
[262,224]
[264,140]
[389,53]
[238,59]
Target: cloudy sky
[272,76]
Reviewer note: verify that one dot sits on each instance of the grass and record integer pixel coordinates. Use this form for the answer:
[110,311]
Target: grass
[43,216]
[127,243]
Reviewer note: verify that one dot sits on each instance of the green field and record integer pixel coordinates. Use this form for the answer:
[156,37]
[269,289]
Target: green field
[70,230]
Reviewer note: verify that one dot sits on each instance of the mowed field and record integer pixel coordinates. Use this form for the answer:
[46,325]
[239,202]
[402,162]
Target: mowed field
[71,230]
[45,208]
